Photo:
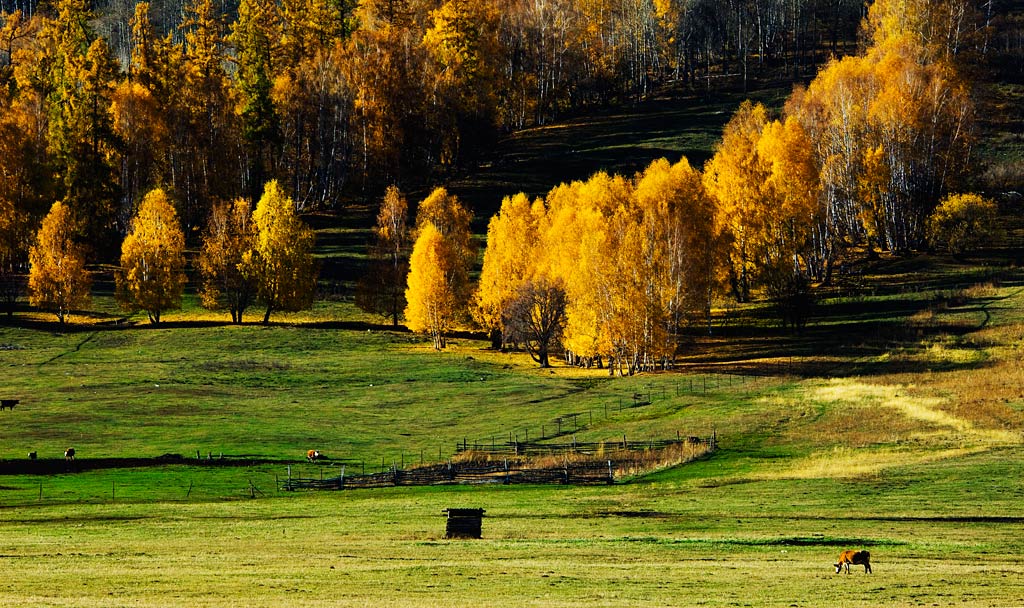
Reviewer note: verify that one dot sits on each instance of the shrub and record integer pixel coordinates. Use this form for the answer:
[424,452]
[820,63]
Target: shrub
[963,222]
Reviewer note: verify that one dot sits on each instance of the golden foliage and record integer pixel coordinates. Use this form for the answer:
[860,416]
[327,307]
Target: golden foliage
[963,222]
[57,279]
[280,263]
[433,294]
[152,275]
[632,260]
[229,235]
[512,236]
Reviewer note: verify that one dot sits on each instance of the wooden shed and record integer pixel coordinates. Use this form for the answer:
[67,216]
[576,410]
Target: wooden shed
[463,523]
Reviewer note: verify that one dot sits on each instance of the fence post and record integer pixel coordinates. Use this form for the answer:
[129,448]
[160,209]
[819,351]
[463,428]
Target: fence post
[341,478]
[611,475]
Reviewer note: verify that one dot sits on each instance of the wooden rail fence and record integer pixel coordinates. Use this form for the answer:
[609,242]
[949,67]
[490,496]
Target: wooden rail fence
[593,470]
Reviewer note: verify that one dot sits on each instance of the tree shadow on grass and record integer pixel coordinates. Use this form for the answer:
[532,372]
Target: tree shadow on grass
[846,339]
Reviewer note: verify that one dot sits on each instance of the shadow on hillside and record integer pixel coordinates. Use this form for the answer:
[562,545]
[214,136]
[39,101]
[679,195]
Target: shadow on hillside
[846,338]
[615,140]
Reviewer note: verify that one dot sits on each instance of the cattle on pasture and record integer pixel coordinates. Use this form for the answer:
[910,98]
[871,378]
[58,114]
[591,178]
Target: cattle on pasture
[69,454]
[857,558]
[31,455]
[313,455]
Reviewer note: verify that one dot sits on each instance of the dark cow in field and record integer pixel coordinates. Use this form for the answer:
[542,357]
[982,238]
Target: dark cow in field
[8,403]
[313,455]
[857,558]
[32,455]
[69,454]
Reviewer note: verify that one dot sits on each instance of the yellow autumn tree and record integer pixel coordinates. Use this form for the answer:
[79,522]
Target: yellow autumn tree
[57,280]
[791,197]
[579,242]
[433,296]
[229,235]
[509,260]
[680,248]
[280,263]
[152,275]
[734,177]
[451,219]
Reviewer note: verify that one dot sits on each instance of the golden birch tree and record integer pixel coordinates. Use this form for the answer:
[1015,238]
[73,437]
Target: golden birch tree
[734,177]
[512,239]
[57,280]
[152,276]
[229,235]
[437,296]
[433,296]
[281,261]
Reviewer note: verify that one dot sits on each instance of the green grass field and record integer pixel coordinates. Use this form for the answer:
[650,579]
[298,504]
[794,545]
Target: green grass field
[893,424]
[920,467]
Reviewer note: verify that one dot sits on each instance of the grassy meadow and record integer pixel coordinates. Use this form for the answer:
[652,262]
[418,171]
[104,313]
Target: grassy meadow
[893,424]
[905,441]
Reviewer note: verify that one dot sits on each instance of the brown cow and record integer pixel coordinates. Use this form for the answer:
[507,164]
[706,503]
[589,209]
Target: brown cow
[313,455]
[69,454]
[856,558]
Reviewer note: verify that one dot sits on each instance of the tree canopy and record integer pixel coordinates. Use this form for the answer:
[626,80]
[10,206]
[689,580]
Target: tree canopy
[57,280]
[280,262]
[152,276]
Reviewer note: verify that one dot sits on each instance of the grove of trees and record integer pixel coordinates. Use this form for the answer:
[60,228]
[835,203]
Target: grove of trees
[615,268]
[209,105]
[211,99]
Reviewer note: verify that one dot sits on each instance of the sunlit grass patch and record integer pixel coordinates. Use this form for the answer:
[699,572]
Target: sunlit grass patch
[849,463]
[931,417]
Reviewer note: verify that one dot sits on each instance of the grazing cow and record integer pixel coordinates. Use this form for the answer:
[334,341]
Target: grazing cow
[314,455]
[69,454]
[31,455]
[856,558]
[8,403]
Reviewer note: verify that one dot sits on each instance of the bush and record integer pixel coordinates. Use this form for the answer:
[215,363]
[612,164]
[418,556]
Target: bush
[963,222]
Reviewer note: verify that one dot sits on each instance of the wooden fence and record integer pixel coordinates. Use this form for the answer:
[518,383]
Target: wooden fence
[605,448]
[585,468]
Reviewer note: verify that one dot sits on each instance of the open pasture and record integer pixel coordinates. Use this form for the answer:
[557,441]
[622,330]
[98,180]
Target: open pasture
[920,467]
[675,542]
